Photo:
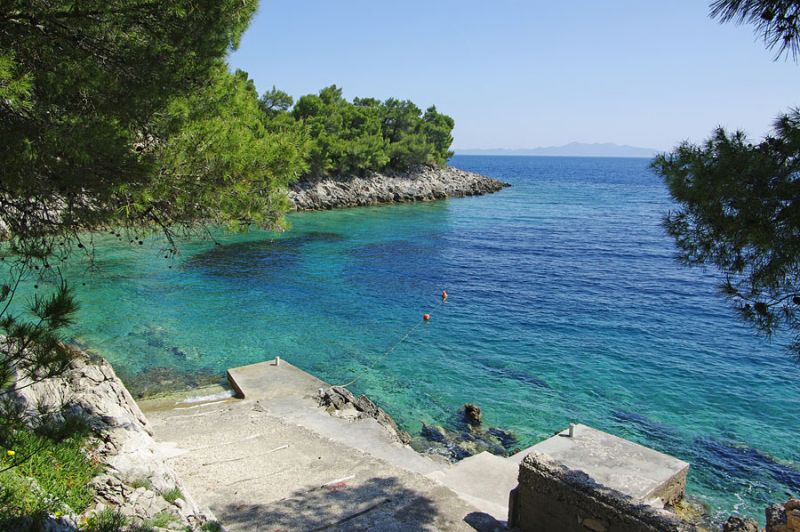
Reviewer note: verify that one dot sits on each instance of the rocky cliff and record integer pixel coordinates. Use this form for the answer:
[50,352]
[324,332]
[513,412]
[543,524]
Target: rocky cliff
[424,183]
[136,476]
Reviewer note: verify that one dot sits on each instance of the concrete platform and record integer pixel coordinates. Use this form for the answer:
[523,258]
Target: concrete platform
[271,380]
[274,460]
[645,475]
[485,480]
[290,393]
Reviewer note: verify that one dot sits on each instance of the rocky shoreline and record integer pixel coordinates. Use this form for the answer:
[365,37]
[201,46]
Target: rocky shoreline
[137,476]
[423,183]
[137,481]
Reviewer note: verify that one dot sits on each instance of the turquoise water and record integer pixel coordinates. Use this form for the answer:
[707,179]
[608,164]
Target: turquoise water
[565,305]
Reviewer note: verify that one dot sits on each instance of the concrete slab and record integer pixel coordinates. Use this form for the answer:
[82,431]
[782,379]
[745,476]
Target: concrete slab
[270,379]
[484,480]
[276,460]
[520,456]
[629,468]
[256,471]
[290,393]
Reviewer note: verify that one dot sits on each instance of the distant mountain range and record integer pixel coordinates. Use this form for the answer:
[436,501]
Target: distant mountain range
[573,149]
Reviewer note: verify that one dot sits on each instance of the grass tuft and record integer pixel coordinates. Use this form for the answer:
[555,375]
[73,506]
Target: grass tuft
[172,495]
[107,520]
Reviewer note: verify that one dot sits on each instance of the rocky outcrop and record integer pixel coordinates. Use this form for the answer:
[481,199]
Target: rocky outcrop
[739,524]
[136,481]
[469,439]
[472,414]
[784,517]
[339,401]
[424,183]
[472,440]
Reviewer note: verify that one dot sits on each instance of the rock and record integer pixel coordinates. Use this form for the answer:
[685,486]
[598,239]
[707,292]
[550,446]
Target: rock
[125,446]
[792,508]
[456,445]
[596,525]
[339,401]
[472,414]
[793,520]
[739,524]
[423,183]
[435,433]
[507,438]
[776,518]
[784,517]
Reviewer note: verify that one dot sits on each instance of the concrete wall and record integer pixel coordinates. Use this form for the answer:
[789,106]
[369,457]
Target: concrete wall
[551,497]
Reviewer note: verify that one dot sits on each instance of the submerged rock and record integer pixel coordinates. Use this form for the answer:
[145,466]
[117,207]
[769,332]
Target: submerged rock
[159,380]
[470,439]
[507,438]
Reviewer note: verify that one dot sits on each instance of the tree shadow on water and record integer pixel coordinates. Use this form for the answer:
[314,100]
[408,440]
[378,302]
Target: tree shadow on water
[380,503]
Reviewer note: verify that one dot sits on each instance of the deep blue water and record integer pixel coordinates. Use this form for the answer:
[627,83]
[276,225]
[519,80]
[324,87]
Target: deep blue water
[565,305]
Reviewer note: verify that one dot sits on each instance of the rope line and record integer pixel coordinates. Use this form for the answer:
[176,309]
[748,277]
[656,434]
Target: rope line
[388,352]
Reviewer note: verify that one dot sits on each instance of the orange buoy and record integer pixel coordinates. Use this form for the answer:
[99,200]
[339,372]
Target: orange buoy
[444,295]
[426,317]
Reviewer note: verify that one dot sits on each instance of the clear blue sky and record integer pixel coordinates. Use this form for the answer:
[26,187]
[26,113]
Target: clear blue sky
[528,73]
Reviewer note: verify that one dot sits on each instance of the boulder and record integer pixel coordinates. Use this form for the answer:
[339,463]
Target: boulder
[472,414]
[458,444]
[776,518]
[341,402]
[739,524]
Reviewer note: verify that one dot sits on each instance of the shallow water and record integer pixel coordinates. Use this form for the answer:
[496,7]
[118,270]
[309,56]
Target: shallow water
[565,305]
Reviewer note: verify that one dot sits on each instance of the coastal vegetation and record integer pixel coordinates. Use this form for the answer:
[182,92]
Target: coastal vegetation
[45,473]
[124,118]
[119,117]
[367,135]
[739,200]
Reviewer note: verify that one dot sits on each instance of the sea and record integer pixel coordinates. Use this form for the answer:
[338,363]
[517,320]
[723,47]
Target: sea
[566,304]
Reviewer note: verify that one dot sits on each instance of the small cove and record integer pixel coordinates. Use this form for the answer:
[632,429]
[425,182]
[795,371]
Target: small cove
[565,305]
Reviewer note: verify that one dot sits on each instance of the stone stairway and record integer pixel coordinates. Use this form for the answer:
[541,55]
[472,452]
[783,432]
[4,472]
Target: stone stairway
[276,461]
[484,480]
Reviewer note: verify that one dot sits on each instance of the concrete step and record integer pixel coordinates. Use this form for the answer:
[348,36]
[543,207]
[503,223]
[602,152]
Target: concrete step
[484,480]
[260,472]
[520,456]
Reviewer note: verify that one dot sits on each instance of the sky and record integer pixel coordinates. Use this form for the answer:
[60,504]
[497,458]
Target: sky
[530,73]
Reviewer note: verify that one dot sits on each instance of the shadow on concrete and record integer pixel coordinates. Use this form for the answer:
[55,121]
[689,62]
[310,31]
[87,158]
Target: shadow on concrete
[483,522]
[381,503]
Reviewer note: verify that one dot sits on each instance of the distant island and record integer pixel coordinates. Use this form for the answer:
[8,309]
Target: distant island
[573,149]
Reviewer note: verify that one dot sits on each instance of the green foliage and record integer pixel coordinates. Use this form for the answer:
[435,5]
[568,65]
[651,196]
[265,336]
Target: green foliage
[739,210]
[161,520]
[739,202]
[82,85]
[219,161]
[44,476]
[33,349]
[120,116]
[172,495]
[107,520]
[275,101]
[141,483]
[777,21]
[367,135]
